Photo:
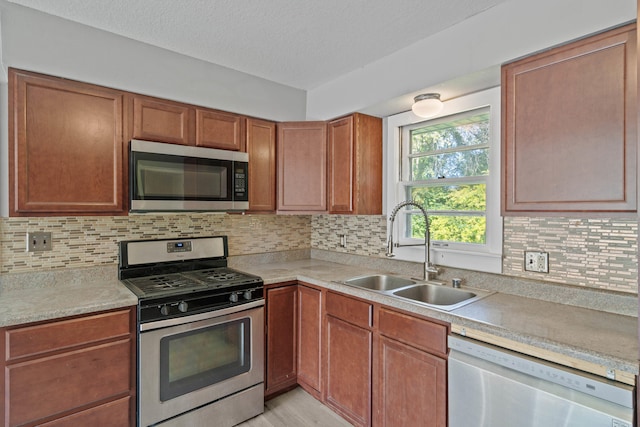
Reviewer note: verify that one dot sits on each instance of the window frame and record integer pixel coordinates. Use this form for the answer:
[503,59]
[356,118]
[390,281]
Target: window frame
[486,257]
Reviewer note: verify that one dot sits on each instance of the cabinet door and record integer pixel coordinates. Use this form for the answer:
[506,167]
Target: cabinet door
[217,129]
[348,376]
[261,147]
[302,167]
[570,127]
[162,121]
[341,164]
[309,338]
[355,165]
[66,147]
[48,386]
[71,371]
[281,304]
[412,387]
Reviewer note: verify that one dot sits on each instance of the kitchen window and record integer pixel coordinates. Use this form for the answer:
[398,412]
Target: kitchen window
[449,164]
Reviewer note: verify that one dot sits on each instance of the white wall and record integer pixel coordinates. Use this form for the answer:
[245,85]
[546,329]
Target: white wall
[508,31]
[43,43]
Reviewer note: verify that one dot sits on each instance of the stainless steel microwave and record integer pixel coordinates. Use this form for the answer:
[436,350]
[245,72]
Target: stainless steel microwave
[170,177]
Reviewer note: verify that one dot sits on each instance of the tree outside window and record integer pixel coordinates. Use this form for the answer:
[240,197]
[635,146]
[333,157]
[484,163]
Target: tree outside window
[447,164]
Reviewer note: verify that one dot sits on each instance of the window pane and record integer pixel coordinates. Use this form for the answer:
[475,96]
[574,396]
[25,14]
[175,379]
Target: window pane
[464,229]
[464,197]
[451,165]
[463,132]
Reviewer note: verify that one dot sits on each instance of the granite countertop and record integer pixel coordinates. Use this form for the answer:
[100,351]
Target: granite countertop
[597,337]
[602,338]
[33,297]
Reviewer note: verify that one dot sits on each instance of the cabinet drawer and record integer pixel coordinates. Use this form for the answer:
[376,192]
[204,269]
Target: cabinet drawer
[112,414]
[53,385]
[416,332]
[349,309]
[38,339]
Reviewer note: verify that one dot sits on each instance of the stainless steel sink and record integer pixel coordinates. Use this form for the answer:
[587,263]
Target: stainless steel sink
[379,282]
[432,295]
[436,295]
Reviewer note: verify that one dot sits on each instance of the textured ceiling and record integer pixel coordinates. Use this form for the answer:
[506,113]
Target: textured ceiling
[299,43]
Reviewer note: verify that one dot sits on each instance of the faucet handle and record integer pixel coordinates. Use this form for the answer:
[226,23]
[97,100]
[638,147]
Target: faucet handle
[456,282]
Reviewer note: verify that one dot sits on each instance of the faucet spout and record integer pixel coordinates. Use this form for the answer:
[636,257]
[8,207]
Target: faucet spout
[430,271]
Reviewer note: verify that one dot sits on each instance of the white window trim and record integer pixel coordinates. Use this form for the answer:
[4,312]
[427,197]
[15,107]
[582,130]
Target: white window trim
[488,260]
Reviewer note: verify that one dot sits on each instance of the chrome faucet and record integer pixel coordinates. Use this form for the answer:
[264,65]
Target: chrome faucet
[430,271]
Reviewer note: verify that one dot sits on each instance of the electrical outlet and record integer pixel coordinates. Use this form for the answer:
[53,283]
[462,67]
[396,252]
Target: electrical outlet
[536,261]
[38,241]
[343,240]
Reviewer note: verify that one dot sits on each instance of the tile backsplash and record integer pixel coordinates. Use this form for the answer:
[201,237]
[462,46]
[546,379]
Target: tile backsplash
[596,253]
[593,253]
[91,241]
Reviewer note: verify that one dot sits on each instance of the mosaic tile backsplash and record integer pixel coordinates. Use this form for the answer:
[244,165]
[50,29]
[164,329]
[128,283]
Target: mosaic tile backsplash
[92,241]
[593,253]
[596,253]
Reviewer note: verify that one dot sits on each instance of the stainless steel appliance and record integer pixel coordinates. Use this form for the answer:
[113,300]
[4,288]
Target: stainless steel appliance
[494,387]
[171,177]
[201,333]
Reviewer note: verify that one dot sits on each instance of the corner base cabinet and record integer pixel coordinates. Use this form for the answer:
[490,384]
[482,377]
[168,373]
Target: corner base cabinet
[280,344]
[70,372]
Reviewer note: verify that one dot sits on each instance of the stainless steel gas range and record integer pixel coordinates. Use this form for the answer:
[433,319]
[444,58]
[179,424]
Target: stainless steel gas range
[200,333]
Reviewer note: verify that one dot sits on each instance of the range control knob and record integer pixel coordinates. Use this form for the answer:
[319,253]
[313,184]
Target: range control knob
[164,310]
[233,297]
[183,306]
[247,294]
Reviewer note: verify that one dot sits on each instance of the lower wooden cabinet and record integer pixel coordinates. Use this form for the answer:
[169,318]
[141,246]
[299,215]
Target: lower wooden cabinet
[348,386]
[281,347]
[74,371]
[372,364]
[410,386]
[310,339]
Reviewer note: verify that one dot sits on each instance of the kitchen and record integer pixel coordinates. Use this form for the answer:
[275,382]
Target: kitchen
[89,241]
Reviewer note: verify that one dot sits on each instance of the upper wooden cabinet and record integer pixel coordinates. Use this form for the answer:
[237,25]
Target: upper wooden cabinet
[569,128]
[218,129]
[261,147]
[161,120]
[355,165]
[302,167]
[66,147]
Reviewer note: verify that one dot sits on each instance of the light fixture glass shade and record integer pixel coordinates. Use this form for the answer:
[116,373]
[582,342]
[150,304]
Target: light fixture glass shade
[427,105]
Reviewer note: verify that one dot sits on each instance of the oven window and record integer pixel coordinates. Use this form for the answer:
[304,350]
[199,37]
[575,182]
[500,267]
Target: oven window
[196,359]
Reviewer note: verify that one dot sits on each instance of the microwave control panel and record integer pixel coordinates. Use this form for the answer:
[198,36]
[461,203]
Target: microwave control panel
[240,183]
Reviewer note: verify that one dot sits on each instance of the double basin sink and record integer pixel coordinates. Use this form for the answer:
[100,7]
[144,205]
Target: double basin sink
[424,293]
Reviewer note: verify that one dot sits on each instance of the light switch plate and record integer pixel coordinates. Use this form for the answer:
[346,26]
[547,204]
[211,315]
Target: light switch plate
[536,261]
[38,241]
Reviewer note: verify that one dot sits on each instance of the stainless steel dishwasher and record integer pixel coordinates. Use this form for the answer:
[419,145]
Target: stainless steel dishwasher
[493,387]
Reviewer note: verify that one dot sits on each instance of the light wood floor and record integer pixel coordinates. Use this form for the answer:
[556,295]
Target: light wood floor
[296,409]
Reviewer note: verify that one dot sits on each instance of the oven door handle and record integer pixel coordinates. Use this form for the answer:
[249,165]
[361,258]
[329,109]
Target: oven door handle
[202,316]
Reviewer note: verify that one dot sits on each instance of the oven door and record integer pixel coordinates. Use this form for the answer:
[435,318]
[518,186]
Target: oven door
[188,362]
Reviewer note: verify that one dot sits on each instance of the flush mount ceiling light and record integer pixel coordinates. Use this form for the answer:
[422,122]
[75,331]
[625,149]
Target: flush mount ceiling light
[427,105]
